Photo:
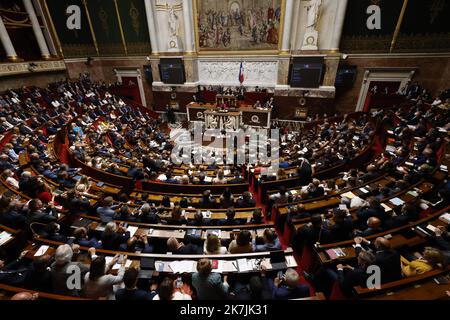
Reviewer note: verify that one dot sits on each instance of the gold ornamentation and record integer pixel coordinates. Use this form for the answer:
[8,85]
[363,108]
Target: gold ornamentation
[134,15]
[103,16]
[437,6]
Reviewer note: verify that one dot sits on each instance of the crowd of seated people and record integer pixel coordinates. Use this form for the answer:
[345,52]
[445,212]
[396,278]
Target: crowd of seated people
[106,134]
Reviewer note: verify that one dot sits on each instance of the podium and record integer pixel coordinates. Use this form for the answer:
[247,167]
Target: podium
[247,116]
[226,99]
[222,120]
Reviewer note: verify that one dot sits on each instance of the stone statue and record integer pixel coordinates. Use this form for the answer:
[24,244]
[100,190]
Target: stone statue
[230,123]
[174,23]
[311,36]
[313,14]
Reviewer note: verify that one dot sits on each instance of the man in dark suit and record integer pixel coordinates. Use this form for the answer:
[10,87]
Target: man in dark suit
[385,257]
[288,287]
[373,210]
[355,276]
[131,292]
[310,233]
[230,220]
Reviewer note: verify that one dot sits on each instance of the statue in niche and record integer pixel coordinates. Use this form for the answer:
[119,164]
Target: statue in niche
[174,23]
[310,39]
[313,14]
[174,26]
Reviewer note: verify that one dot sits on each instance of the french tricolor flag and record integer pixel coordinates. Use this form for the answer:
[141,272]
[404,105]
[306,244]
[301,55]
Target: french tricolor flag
[241,73]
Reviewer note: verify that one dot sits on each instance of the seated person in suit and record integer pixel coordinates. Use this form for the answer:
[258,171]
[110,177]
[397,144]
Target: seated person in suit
[373,227]
[347,275]
[125,214]
[199,220]
[83,239]
[230,220]
[297,212]
[288,287]
[10,213]
[374,209]
[257,217]
[246,201]
[176,217]
[409,212]
[148,215]
[226,199]
[184,247]
[207,201]
[38,276]
[37,213]
[106,211]
[131,292]
[139,244]
[385,257]
[431,259]
[442,239]
[271,242]
[237,178]
[315,189]
[340,226]
[242,243]
[114,238]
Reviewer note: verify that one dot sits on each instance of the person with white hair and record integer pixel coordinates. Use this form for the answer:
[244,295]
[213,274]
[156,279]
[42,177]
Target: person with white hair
[286,287]
[64,267]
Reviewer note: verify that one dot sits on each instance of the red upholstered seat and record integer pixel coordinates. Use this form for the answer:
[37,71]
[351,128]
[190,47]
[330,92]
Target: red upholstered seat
[336,292]
[307,260]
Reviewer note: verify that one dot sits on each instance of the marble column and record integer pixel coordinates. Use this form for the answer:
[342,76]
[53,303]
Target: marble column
[6,42]
[332,64]
[37,29]
[50,42]
[286,38]
[188,29]
[341,9]
[151,17]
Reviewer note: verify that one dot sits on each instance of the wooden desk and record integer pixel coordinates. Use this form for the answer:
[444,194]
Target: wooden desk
[162,261]
[250,116]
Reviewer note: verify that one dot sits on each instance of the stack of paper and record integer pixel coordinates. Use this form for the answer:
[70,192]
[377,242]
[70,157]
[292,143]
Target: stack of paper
[206,214]
[290,261]
[364,190]
[182,266]
[397,201]
[243,265]
[132,230]
[41,251]
[4,237]
[208,179]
